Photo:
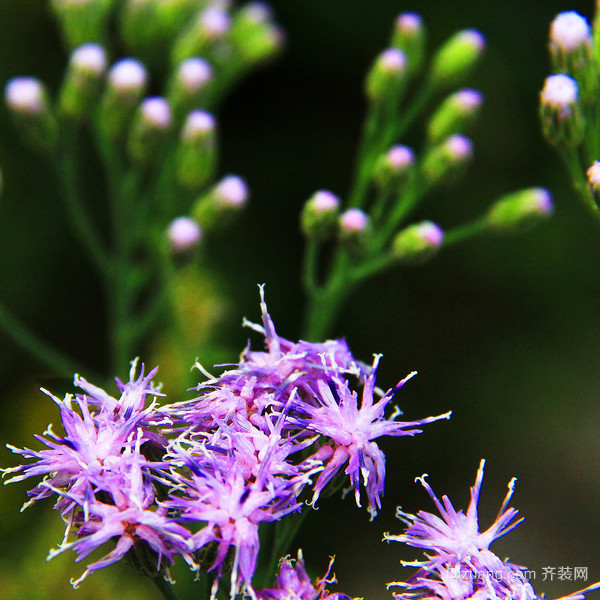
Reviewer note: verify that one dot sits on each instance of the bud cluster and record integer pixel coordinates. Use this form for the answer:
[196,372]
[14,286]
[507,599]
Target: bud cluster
[569,110]
[369,230]
[137,100]
[165,140]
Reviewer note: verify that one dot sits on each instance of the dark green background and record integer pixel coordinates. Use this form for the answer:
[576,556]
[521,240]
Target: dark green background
[503,331]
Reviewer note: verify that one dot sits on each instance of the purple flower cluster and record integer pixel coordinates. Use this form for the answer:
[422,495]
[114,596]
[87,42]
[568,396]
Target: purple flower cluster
[293,583]
[197,478]
[459,564]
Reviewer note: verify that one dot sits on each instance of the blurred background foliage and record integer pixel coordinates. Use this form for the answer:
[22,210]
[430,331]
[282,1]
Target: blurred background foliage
[503,330]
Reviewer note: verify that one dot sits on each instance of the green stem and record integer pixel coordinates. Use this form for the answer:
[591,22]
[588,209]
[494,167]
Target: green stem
[324,302]
[285,532]
[419,103]
[46,354]
[409,200]
[369,147]
[470,230]
[580,182]
[309,270]
[83,227]
[121,293]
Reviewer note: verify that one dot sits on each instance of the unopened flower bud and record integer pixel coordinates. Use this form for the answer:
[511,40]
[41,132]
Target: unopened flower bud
[394,168]
[409,36]
[353,227]
[560,111]
[127,80]
[184,234]
[455,60]
[386,79]
[209,27]
[319,217]
[520,209]
[82,21]
[27,100]
[254,35]
[195,158]
[417,243]
[128,77]
[454,115]
[572,52]
[593,176]
[445,162]
[151,124]
[81,86]
[225,199]
[188,84]
[570,31]
[231,192]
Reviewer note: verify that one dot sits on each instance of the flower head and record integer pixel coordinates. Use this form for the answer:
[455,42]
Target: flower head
[570,31]
[560,93]
[351,429]
[458,563]
[293,583]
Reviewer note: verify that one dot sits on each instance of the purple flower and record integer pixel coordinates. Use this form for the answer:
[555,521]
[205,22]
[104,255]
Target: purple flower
[231,508]
[98,428]
[129,516]
[293,583]
[264,380]
[456,536]
[458,563]
[335,414]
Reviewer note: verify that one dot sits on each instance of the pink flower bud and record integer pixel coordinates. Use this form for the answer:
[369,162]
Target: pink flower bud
[354,220]
[570,31]
[194,73]
[25,94]
[90,58]
[157,112]
[232,191]
[183,234]
[560,93]
[127,75]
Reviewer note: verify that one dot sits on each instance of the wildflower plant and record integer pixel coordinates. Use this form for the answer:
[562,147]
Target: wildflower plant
[201,479]
[221,479]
